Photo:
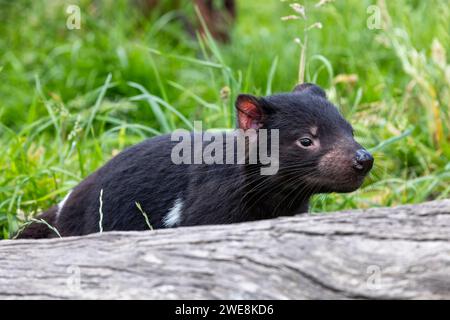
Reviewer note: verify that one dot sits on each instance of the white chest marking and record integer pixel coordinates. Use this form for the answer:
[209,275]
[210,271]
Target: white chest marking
[61,204]
[173,217]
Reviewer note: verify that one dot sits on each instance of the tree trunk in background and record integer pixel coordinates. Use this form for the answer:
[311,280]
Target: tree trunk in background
[399,252]
[218,15]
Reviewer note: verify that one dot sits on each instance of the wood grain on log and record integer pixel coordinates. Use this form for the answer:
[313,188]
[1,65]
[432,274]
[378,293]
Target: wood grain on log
[401,252]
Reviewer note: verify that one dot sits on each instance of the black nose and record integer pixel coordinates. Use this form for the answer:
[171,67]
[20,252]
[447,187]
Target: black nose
[363,161]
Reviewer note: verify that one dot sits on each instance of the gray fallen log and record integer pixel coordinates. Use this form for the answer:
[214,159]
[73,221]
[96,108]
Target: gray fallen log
[401,252]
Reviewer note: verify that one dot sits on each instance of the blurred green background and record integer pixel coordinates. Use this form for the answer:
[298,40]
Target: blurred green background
[71,99]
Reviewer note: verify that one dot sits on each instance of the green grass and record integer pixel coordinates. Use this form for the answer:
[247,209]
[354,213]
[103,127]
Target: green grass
[71,99]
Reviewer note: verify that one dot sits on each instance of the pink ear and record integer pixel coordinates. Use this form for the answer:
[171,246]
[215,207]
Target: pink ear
[249,112]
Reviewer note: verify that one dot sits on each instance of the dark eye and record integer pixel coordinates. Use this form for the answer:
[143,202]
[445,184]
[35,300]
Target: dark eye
[305,142]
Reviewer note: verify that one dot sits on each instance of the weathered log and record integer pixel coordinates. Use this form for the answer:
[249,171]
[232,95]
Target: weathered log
[401,252]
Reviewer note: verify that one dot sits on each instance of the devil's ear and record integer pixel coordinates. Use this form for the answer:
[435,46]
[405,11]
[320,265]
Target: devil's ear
[311,88]
[251,112]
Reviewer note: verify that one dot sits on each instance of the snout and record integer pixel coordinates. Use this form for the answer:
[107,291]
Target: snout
[363,161]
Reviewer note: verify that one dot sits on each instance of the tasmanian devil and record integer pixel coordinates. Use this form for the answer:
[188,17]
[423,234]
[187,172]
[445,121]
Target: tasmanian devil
[317,153]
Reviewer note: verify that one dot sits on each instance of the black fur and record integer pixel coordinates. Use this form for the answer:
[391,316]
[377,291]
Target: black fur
[219,194]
